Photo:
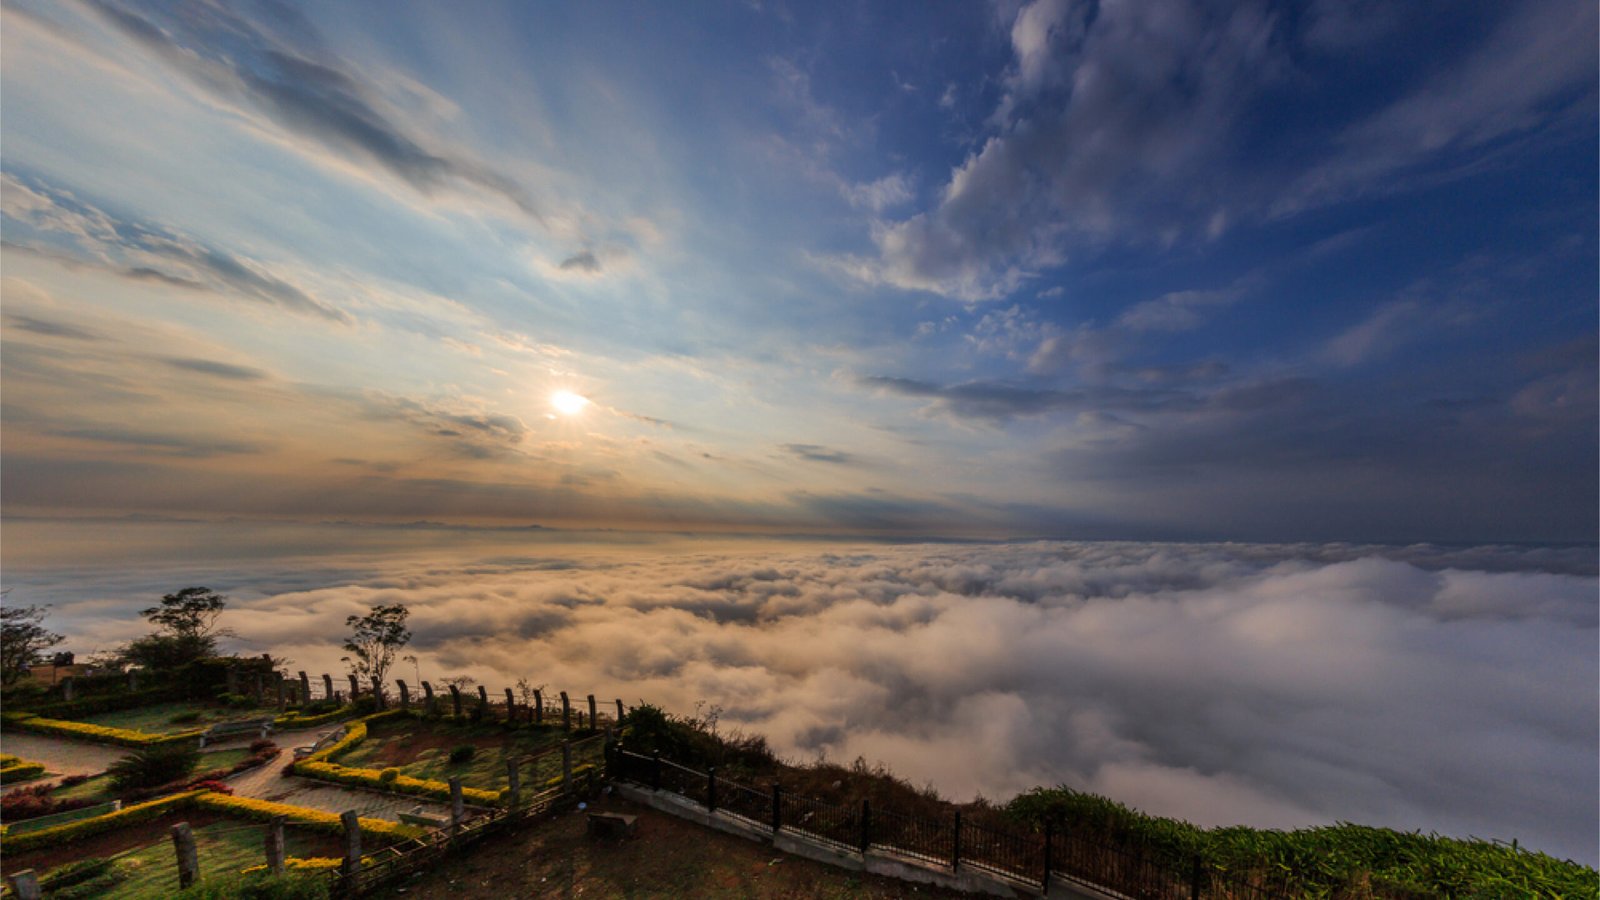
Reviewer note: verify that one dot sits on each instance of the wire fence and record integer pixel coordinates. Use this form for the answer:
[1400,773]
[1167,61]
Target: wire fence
[1028,857]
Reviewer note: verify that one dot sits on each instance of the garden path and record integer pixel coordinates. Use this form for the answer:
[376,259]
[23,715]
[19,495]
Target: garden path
[61,756]
[269,783]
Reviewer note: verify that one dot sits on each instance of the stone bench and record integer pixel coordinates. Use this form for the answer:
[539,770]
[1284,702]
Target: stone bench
[323,740]
[227,729]
[611,825]
[426,820]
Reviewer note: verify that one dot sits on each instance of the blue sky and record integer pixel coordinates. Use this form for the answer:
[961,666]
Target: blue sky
[1256,271]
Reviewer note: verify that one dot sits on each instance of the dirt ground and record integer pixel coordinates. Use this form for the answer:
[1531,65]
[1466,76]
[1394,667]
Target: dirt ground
[668,857]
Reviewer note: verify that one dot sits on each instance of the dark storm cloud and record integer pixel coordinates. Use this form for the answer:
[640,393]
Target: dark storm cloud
[277,66]
[581,262]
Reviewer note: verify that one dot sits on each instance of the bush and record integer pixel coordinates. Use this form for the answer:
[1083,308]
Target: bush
[210,784]
[74,780]
[153,766]
[463,753]
[235,701]
[34,801]
[185,718]
[258,887]
[262,745]
[98,733]
[387,777]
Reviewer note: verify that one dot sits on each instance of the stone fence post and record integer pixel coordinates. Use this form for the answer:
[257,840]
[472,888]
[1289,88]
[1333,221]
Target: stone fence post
[405,694]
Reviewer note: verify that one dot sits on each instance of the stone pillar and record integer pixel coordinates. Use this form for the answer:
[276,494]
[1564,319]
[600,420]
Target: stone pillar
[352,846]
[327,686]
[455,699]
[283,693]
[188,857]
[594,720]
[566,767]
[514,778]
[275,845]
[619,711]
[405,693]
[566,711]
[25,885]
[233,680]
[66,688]
[355,688]
[377,692]
[511,707]
[483,704]
[428,703]
[133,679]
[257,693]
[458,808]
[538,707]
[305,688]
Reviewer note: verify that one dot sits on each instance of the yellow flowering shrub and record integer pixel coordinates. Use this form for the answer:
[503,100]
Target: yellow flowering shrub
[309,864]
[99,733]
[83,828]
[316,819]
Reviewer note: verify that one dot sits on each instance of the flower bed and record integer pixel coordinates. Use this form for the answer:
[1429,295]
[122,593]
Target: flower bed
[73,831]
[314,819]
[98,733]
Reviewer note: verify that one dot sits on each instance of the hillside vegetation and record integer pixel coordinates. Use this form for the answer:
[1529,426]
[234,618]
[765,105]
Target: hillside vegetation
[1336,861]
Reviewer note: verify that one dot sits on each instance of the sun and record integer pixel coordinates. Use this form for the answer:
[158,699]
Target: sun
[567,403]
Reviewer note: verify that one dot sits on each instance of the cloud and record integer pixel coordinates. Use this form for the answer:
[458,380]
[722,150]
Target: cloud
[1140,123]
[1421,687]
[76,233]
[818,453]
[49,328]
[584,261]
[216,369]
[278,67]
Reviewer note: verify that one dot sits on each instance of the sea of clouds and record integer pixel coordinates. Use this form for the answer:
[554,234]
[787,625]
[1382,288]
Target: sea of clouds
[1448,689]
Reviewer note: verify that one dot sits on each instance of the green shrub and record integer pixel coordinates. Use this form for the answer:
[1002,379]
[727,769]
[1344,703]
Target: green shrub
[185,718]
[258,887]
[151,766]
[387,777]
[463,753]
[75,872]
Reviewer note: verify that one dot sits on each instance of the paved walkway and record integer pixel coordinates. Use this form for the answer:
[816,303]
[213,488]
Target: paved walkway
[60,755]
[269,783]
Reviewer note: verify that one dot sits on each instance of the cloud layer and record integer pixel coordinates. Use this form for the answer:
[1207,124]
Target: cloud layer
[1420,687]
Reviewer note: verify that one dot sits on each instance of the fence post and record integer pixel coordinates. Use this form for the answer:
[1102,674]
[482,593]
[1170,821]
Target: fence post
[777,807]
[483,704]
[231,675]
[1197,873]
[711,789]
[955,846]
[429,705]
[188,857]
[457,806]
[594,716]
[377,692]
[566,712]
[566,767]
[405,693]
[514,777]
[866,827]
[26,885]
[511,708]
[283,692]
[655,770]
[258,693]
[133,679]
[455,699]
[66,688]
[538,707]
[619,711]
[355,688]
[1049,848]
[275,845]
[327,686]
[351,866]
[305,688]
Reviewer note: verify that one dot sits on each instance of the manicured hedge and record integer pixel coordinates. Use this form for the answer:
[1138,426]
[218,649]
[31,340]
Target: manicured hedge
[293,720]
[315,819]
[307,864]
[88,706]
[98,733]
[320,765]
[83,828]
[20,770]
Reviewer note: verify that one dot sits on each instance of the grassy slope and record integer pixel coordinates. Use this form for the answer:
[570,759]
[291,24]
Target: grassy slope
[421,748]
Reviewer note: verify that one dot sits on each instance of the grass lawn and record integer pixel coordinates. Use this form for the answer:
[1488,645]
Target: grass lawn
[421,749]
[225,847]
[163,718]
[99,787]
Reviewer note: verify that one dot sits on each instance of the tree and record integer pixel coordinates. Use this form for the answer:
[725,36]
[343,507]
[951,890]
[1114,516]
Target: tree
[190,613]
[374,640]
[23,638]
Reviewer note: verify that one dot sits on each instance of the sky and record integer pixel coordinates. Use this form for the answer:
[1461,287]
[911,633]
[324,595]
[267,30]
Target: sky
[1194,271]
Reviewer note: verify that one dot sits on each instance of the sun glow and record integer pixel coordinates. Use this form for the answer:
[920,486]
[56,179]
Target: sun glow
[567,403]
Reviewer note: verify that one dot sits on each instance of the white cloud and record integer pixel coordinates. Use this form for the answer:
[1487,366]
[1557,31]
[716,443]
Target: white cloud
[1420,687]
